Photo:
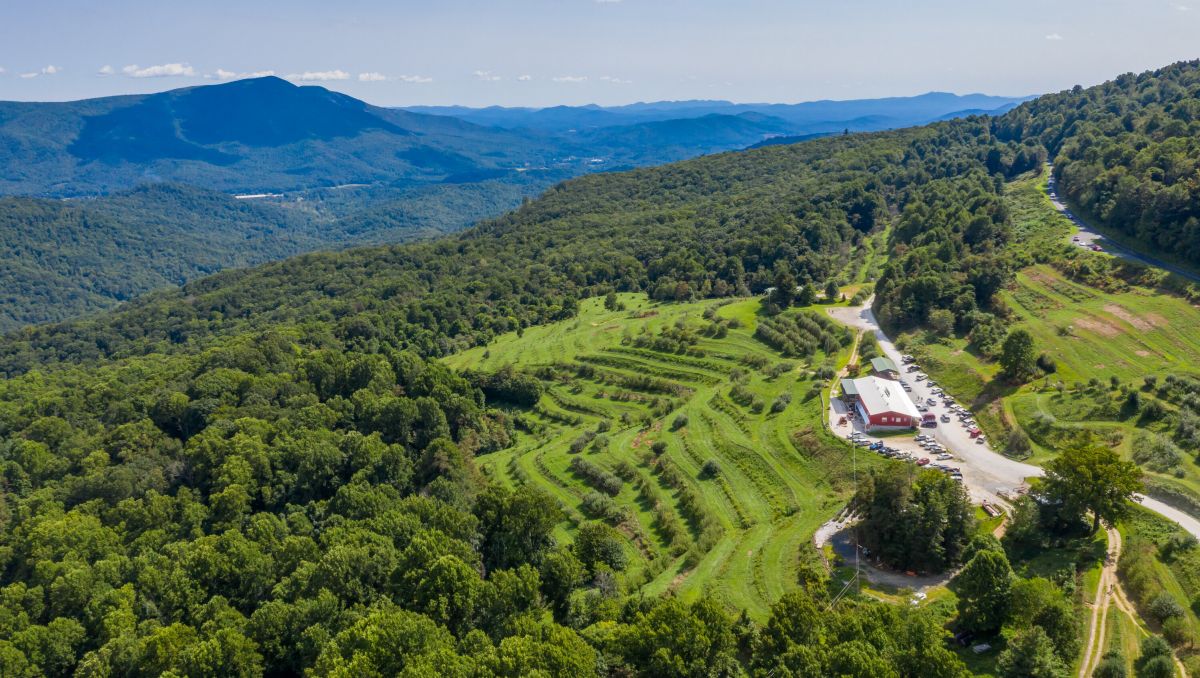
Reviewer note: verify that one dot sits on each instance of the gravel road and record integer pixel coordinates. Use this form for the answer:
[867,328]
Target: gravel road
[987,474]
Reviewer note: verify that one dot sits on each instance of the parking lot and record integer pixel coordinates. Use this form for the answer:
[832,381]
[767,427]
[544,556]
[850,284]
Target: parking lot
[987,475]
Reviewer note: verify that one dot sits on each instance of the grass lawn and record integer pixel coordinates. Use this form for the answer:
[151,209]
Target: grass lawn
[1124,332]
[736,534]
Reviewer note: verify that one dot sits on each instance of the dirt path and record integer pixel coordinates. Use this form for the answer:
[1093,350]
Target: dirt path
[1110,592]
[988,474]
[1093,648]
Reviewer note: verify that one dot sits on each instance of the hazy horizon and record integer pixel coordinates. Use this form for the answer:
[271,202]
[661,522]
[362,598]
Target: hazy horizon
[539,53]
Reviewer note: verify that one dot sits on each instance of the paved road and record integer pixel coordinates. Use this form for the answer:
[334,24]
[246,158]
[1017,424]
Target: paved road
[1088,236]
[986,474]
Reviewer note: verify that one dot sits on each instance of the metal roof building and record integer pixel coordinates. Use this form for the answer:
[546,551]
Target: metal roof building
[881,403]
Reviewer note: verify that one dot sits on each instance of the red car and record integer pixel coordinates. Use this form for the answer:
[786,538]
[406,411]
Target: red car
[922,462]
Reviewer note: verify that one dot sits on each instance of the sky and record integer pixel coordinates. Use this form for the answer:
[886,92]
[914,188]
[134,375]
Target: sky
[551,52]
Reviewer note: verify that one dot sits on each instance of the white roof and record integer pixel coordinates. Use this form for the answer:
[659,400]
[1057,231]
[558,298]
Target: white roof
[883,395]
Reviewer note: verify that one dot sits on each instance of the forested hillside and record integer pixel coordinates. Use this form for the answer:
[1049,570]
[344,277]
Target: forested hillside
[266,473]
[1127,152]
[716,226]
[65,259]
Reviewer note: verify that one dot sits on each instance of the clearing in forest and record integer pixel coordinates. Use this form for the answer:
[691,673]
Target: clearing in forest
[680,426]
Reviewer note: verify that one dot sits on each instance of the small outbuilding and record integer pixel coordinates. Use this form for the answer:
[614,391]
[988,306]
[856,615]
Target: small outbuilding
[884,368]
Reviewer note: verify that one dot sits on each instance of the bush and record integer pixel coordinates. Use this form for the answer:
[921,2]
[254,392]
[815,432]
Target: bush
[781,402]
[1178,632]
[1112,665]
[779,369]
[596,476]
[1046,364]
[1155,660]
[1156,452]
[658,447]
[711,469]
[1164,607]
[679,422]
[1018,443]
[1154,410]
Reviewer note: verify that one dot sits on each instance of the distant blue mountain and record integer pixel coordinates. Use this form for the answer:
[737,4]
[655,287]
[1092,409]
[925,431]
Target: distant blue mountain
[266,135]
[868,114]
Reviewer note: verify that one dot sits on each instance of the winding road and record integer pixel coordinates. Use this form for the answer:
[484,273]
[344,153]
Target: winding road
[1089,236]
[987,474]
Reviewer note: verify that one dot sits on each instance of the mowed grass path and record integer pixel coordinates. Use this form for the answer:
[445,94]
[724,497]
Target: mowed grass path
[780,474]
[1093,336]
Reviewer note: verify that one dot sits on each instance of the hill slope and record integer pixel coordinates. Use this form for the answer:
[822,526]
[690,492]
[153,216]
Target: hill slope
[710,227]
[265,472]
[1127,152]
[256,135]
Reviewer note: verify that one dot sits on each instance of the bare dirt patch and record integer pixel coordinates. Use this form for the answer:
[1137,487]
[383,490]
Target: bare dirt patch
[1041,276]
[1098,326]
[1144,354]
[1124,314]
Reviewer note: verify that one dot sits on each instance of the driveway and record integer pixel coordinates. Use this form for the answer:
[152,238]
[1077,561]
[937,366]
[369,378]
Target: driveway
[987,474]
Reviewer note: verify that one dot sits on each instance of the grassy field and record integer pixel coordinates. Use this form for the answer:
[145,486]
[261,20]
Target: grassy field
[1104,342]
[737,490]
[1105,336]
[1170,566]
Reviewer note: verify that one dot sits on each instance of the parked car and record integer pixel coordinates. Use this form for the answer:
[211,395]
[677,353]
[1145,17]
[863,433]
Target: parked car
[945,419]
[922,462]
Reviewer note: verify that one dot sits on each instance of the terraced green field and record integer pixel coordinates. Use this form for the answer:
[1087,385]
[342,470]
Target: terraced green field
[730,501]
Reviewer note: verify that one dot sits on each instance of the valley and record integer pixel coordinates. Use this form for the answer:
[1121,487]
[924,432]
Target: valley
[420,408]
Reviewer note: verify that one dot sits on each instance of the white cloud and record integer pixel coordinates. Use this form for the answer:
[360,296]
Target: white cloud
[223,74]
[1182,8]
[570,78]
[48,70]
[524,78]
[160,71]
[416,79]
[372,77]
[1054,36]
[487,76]
[320,76]
[615,81]
[2,71]
[105,71]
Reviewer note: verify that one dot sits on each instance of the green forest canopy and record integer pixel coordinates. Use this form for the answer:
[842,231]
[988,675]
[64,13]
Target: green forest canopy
[265,473]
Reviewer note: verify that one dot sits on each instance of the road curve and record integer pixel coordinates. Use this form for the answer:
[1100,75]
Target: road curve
[986,473]
[1088,235]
